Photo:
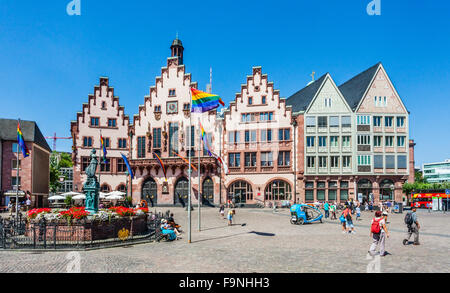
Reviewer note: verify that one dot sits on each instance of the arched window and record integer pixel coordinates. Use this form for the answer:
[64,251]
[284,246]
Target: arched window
[278,190]
[105,188]
[241,191]
[387,188]
[122,188]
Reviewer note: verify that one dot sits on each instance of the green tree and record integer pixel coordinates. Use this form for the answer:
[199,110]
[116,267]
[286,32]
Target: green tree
[58,161]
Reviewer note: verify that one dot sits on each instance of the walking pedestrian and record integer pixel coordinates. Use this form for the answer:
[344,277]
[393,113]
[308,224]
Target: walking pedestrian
[412,223]
[326,208]
[358,213]
[222,211]
[333,211]
[349,220]
[230,217]
[379,233]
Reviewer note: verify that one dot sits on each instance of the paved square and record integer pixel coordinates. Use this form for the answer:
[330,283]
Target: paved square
[266,243]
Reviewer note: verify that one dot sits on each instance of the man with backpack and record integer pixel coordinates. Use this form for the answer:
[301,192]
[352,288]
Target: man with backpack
[413,225]
[379,233]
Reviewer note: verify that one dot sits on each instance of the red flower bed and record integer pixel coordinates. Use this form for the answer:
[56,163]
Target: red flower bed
[75,213]
[35,212]
[123,211]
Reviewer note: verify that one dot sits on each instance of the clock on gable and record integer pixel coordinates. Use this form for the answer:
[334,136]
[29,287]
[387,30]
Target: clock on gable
[172,107]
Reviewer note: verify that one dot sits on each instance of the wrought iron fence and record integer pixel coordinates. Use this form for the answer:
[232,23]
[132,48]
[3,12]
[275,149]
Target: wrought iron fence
[19,233]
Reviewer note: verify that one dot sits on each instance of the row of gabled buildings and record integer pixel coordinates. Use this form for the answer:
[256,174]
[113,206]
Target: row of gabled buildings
[325,142]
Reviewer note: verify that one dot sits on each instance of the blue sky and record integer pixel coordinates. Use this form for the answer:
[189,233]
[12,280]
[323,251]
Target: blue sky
[50,62]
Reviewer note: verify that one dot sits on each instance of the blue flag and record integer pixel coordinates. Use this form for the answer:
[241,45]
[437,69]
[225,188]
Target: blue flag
[128,166]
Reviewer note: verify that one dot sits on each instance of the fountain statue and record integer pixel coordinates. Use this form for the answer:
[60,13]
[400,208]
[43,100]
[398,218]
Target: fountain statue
[91,186]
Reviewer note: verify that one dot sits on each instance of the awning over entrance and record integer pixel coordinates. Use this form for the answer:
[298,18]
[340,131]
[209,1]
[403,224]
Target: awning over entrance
[14,193]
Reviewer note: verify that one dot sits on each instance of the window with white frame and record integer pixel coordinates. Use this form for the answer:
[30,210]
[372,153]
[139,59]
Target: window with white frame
[328,102]
[400,121]
[346,141]
[363,139]
[322,121]
[377,121]
[346,161]
[346,121]
[322,141]
[334,141]
[311,121]
[323,162]
[334,121]
[401,141]
[363,120]
[388,121]
[364,160]
[311,162]
[310,141]
[377,141]
[389,141]
[334,162]
[266,159]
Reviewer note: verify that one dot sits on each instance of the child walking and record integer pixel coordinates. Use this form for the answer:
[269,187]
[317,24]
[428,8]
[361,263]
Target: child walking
[230,217]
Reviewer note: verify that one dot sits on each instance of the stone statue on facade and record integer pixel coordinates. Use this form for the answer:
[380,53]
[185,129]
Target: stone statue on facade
[92,186]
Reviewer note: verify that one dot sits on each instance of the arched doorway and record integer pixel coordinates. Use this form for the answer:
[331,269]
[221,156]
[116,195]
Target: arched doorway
[387,189]
[240,191]
[181,193]
[278,190]
[208,192]
[365,188]
[150,192]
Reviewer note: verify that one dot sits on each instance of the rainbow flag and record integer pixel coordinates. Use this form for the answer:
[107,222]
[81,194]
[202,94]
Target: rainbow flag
[204,102]
[102,141]
[161,164]
[184,159]
[21,142]
[205,140]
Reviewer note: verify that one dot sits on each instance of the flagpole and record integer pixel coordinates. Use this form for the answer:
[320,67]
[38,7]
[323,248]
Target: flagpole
[17,179]
[190,171]
[100,171]
[199,179]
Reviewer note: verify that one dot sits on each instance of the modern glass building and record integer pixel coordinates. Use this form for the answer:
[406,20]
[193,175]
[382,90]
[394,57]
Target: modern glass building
[437,172]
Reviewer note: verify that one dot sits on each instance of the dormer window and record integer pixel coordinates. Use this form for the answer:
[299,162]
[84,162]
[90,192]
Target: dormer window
[157,109]
[327,102]
[172,92]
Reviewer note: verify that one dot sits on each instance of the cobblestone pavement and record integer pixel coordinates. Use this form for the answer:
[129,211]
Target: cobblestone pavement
[266,243]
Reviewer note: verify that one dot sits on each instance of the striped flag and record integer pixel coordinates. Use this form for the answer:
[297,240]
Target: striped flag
[102,141]
[21,142]
[185,160]
[204,102]
[128,165]
[161,164]
[205,140]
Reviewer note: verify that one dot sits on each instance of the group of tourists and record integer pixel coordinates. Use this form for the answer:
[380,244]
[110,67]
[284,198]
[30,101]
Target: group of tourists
[170,228]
